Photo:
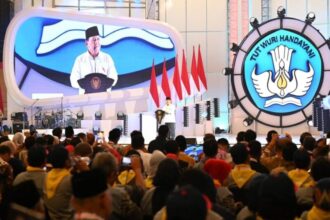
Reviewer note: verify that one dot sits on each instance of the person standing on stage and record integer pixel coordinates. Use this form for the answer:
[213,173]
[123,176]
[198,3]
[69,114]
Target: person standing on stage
[92,61]
[169,118]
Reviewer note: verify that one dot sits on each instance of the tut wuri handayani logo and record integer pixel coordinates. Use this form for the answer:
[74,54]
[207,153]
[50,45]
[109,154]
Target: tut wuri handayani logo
[282,72]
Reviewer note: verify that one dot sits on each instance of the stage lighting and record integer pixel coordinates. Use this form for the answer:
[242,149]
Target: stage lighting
[254,22]
[120,115]
[98,115]
[310,17]
[310,121]
[281,12]
[96,130]
[80,115]
[227,71]
[247,121]
[234,47]
[232,104]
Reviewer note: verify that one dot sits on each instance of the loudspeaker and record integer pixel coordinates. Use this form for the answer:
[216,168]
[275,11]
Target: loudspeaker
[216,107]
[19,126]
[191,141]
[197,113]
[185,116]
[208,110]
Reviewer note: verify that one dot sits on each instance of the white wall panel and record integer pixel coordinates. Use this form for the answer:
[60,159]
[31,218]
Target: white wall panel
[196,15]
[216,15]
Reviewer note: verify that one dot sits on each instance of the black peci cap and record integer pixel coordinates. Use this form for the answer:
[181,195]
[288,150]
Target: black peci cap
[92,31]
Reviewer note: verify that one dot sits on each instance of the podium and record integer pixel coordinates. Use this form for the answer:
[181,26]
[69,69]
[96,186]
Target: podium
[159,114]
[95,82]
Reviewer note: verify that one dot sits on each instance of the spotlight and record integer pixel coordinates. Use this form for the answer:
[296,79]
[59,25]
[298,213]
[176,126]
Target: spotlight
[120,115]
[80,115]
[96,130]
[232,104]
[281,12]
[310,121]
[248,121]
[227,71]
[98,115]
[254,22]
[310,17]
[328,42]
[234,47]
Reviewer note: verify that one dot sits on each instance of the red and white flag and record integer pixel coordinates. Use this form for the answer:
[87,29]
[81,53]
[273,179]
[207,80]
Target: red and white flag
[184,74]
[194,72]
[200,69]
[153,86]
[165,82]
[177,80]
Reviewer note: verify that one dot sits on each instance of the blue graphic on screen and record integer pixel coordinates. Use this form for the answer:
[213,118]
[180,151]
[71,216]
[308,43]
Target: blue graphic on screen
[282,72]
[48,48]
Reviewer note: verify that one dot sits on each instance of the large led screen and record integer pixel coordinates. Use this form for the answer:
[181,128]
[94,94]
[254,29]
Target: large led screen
[44,49]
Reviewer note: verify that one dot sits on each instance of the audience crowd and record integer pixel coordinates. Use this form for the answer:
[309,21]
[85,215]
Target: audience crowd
[78,176]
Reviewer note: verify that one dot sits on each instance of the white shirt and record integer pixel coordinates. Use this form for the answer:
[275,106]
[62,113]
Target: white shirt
[86,64]
[169,114]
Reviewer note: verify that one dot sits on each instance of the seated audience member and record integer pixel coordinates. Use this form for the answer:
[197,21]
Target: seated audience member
[172,151]
[218,170]
[252,190]
[69,134]
[303,136]
[186,203]
[138,145]
[35,170]
[321,207]
[122,205]
[241,174]
[210,150]
[75,141]
[160,142]
[287,153]
[58,191]
[165,180]
[303,182]
[182,142]
[25,194]
[250,135]
[156,157]
[309,144]
[82,136]
[221,198]
[270,149]
[255,154]
[223,150]
[271,162]
[90,139]
[320,169]
[28,143]
[91,199]
[83,150]
[14,162]
[241,137]
[18,140]
[114,136]
[6,179]
[57,132]
[321,149]
[300,175]
[277,198]
[208,136]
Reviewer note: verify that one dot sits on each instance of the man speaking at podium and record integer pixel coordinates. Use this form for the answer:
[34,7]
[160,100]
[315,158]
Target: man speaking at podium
[169,117]
[93,61]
